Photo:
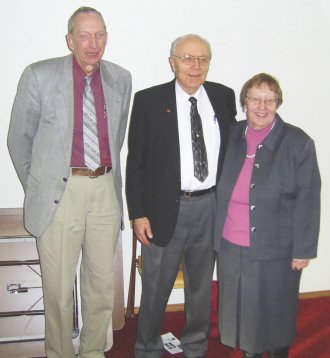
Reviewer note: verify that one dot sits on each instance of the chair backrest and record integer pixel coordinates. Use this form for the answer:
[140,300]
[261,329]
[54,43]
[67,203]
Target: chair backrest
[136,262]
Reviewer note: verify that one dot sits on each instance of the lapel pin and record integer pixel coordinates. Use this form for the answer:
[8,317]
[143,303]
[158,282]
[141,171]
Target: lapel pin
[168,110]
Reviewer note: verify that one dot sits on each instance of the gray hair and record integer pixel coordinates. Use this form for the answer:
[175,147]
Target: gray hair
[180,39]
[82,9]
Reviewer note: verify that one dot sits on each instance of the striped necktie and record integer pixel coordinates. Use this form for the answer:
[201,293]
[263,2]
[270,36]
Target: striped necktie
[91,141]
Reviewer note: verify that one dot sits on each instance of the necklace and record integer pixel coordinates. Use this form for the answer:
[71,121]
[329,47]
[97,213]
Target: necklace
[253,155]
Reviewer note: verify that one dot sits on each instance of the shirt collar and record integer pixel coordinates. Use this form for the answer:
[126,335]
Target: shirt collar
[183,96]
[79,75]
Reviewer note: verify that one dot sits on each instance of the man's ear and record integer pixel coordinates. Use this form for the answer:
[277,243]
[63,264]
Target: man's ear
[172,64]
[69,41]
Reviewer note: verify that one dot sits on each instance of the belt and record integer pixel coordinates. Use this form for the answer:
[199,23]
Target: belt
[197,192]
[90,173]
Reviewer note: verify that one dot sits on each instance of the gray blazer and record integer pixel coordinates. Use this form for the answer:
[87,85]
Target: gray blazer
[41,128]
[284,192]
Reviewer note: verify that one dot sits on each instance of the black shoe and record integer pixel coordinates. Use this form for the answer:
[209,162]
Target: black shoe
[251,355]
[279,353]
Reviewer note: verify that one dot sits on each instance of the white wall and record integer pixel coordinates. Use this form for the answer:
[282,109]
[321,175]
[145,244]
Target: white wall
[287,38]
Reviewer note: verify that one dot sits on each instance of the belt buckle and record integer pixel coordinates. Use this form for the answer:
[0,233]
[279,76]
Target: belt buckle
[188,194]
[92,176]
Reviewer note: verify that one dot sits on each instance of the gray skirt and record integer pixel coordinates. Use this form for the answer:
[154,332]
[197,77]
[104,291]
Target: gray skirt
[258,300]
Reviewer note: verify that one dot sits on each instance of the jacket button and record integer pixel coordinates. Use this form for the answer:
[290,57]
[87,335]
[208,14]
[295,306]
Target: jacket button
[260,146]
[252,207]
[56,201]
[253,229]
[65,180]
[256,165]
[252,185]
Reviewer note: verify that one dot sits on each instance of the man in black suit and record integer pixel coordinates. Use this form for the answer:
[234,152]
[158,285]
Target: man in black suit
[171,192]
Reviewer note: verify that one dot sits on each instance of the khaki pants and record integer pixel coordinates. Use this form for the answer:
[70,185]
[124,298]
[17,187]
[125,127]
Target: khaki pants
[87,221]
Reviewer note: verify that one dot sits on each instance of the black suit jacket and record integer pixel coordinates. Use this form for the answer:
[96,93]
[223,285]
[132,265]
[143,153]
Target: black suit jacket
[153,178]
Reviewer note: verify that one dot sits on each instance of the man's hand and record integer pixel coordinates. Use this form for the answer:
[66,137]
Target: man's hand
[142,230]
[299,264]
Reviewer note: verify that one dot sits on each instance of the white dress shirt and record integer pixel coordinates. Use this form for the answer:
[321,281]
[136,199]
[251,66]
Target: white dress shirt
[211,137]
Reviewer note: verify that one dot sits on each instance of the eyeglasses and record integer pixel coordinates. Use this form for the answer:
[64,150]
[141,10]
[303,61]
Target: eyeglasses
[85,36]
[190,59]
[256,101]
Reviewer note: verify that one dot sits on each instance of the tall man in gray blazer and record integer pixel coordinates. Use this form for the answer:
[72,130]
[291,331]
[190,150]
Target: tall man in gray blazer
[172,211]
[69,207]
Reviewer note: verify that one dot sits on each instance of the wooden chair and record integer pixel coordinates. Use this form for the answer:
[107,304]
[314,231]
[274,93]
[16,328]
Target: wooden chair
[136,263]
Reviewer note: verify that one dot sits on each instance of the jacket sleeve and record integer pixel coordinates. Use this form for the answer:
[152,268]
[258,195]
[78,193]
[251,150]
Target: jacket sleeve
[306,219]
[24,124]
[136,160]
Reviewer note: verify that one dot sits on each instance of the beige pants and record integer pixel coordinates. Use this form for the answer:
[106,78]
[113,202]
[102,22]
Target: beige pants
[87,221]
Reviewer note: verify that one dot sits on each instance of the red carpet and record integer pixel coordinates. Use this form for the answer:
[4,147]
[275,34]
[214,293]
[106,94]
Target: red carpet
[312,341]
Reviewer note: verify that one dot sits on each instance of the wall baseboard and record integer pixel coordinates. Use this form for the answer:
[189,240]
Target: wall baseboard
[315,294]
[177,307]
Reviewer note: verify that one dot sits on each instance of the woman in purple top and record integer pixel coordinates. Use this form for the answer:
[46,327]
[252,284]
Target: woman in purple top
[267,223]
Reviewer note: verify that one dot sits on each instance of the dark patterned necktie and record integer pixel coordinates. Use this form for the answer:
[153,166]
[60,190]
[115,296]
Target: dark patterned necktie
[91,141]
[198,145]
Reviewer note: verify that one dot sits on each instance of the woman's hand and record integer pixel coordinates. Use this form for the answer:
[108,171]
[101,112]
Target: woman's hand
[299,264]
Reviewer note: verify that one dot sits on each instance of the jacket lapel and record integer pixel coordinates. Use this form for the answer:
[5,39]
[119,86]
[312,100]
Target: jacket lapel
[64,107]
[113,100]
[171,113]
